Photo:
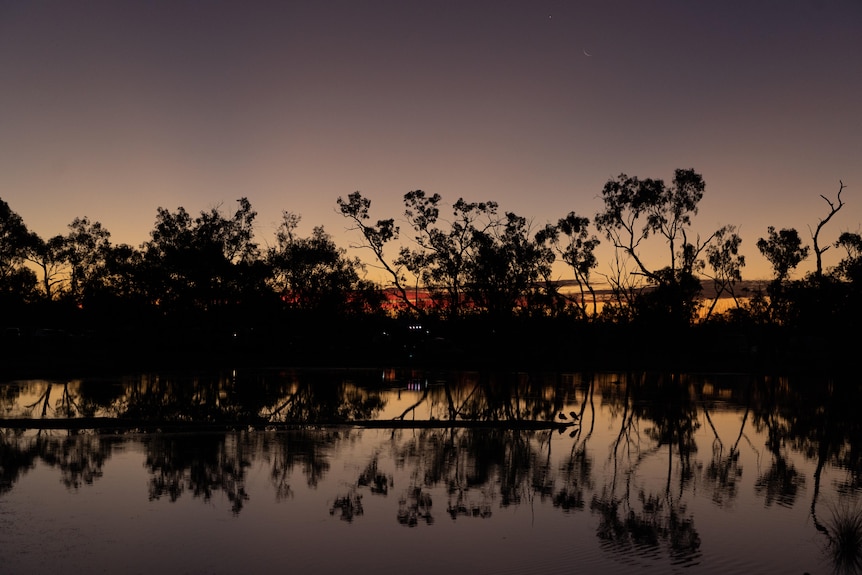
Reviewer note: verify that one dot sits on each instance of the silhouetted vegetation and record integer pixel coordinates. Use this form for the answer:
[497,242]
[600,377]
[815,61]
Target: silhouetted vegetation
[478,286]
[642,487]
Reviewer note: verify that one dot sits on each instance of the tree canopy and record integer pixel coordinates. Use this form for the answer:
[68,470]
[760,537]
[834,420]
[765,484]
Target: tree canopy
[467,259]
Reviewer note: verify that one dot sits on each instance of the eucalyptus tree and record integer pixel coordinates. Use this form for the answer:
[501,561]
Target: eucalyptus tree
[47,256]
[445,252]
[725,263]
[84,250]
[571,239]
[375,237]
[313,273]
[850,266]
[14,238]
[170,265]
[208,262]
[512,267]
[120,277]
[784,250]
[634,210]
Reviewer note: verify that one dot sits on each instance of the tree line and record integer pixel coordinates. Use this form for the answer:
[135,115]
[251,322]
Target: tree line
[467,260]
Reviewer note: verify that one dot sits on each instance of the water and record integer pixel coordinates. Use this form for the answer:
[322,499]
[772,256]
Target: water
[659,473]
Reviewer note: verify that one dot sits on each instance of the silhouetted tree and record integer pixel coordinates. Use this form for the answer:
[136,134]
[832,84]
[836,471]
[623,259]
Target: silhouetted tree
[47,255]
[13,250]
[833,209]
[850,267]
[784,250]
[578,251]
[83,250]
[444,257]
[313,273]
[375,237]
[207,263]
[726,264]
[117,289]
[511,269]
[634,210]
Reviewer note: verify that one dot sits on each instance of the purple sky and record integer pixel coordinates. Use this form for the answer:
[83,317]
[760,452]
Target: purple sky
[110,109]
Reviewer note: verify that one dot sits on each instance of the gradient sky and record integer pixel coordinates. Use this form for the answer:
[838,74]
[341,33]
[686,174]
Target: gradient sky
[112,108]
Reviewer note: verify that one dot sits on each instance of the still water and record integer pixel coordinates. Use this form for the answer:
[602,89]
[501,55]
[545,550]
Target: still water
[387,471]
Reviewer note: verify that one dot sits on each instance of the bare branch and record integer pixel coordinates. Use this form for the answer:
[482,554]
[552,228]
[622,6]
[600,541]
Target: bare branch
[833,209]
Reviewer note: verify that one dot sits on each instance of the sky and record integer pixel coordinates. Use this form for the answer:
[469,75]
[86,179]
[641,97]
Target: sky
[110,109]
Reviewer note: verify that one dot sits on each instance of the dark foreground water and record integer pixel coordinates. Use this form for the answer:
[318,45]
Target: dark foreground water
[267,472]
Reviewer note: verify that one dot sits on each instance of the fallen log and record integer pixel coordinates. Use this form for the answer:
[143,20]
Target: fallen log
[122,424]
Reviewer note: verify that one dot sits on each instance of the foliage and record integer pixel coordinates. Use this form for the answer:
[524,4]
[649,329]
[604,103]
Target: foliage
[47,256]
[784,250]
[571,239]
[464,263]
[850,267]
[636,209]
[205,263]
[442,259]
[512,269]
[725,263]
[13,242]
[84,249]
[375,237]
[313,273]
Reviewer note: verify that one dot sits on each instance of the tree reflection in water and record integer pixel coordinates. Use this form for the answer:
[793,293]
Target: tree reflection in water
[18,454]
[318,397]
[415,506]
[470,473]
[80,458]
[200,464]
[577,469]
[348,506]
[724,472]
[655,411]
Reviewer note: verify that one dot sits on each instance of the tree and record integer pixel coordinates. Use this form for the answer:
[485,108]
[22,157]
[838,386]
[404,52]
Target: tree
[637,209]
[578,251]
[313,273]
[208,262]
[120,278]
[14,239]
[83,250]
[850,267]
[169,259]
[511,269]
[375,237]
[18,287]
[784,250]
[443,257]
[47,255]
[726,264]
[833,209]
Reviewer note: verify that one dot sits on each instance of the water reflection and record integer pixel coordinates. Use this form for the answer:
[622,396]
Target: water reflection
[200,465]
[662,468]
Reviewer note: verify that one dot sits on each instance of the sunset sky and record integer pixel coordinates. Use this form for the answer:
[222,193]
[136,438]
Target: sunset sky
[112,108]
